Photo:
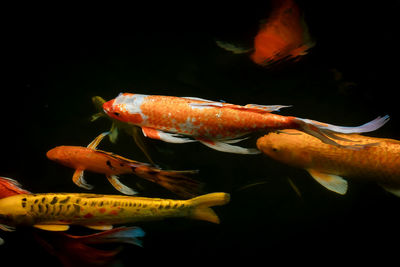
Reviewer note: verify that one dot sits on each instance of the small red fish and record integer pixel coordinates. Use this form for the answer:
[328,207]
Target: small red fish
[73,250]
[215,124]
[112,165]
[284,36]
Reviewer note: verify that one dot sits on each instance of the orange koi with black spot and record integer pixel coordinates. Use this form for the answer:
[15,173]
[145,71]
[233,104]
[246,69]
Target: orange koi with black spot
[91,159]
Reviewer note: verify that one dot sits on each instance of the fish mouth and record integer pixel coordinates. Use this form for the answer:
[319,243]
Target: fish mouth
[108,107]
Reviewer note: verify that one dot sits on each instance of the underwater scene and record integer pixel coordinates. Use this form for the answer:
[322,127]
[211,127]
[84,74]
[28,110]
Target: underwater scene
[181,134]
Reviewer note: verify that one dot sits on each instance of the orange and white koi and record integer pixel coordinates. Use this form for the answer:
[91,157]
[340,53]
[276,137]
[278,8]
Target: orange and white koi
[215,124]
[57,211]
[91,159]
[379,160]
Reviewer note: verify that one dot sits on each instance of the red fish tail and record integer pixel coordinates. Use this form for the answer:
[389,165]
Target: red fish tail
[177,182]
[10,187]
[76,250]
[326,132]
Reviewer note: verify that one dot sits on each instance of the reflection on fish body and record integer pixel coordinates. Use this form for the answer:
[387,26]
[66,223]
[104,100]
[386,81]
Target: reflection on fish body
[56,211]
[112,165]
[215,124]
[378,160]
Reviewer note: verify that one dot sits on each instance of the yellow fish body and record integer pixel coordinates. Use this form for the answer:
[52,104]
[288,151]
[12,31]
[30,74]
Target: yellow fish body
[378,159]
[56,211]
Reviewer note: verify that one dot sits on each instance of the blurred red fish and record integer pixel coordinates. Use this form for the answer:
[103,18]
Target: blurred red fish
[284,36]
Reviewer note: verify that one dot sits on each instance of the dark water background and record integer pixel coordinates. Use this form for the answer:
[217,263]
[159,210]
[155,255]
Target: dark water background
[58,58]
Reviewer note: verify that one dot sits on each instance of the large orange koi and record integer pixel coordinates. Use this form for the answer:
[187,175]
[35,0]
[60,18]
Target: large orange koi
[379,160]
[215,124]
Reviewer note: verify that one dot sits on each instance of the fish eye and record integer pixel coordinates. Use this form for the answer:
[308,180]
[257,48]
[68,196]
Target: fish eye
[116,113]
[274,149]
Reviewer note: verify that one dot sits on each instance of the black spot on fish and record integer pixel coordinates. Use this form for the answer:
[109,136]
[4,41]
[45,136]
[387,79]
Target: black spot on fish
[47,208]
[116,113]
[77,209]
[54,200]
[121,164]
[23,202]
[93,203]
[40,208]
[36,201]
[59,211]
[65,200]
[101,203]
[77,200]
[109,165]
[133,168]
[43,199]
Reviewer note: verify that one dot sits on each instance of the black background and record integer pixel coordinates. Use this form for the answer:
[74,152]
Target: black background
[57,57]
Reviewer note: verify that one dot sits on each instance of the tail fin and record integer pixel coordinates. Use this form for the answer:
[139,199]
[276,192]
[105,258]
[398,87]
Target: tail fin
[326,132]
[202,204]
[128,235]
[177,182]
[76,250]
[10,187]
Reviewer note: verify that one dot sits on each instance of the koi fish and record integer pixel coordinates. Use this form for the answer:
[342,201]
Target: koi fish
[70,247]
[94,160]
[379,160]
[57,211]
[131,130]
[73,250]
[284,36]
[215,124]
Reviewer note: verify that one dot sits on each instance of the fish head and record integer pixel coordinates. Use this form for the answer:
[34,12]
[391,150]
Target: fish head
[285,147]
[66,155]
[12,210]
[126,107]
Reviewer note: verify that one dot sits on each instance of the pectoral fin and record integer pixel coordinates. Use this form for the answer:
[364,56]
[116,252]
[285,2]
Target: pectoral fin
[52,227]
[114,180]
[79,180]
[332,182]
[97,140]
[394,191]
[164,136]
[100,227]
[226,147]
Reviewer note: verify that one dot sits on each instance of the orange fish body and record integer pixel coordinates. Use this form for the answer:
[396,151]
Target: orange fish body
[378,159]
[215,124]
[283,36]
[112,165]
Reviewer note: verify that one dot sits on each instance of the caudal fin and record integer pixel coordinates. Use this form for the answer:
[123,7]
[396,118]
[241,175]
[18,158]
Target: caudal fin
[10,187]
[326,132]
[202,204]
[177,182]
[74,250]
